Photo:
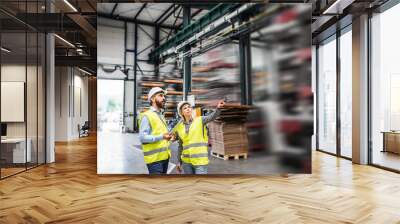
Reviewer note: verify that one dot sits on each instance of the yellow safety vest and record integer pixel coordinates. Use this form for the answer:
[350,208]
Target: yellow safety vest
[156,151]
[195,142]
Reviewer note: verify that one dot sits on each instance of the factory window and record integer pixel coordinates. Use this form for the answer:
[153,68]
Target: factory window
[327,95]
[385,89]
[345,92]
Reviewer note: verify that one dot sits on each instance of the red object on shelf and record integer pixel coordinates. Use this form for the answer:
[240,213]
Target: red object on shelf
[286,16]
[290,127]
[222,64]
[304,91]
[257,147]
[304,54]
[255,125]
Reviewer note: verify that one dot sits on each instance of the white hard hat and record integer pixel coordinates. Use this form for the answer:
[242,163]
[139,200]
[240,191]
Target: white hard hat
[180,105]
[154,91]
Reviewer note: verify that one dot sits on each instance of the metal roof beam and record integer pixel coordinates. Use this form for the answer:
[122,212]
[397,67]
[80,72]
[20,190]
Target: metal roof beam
[165,13]
[114,8]
[169,14]
[196,13]
[138,21]
[140,10]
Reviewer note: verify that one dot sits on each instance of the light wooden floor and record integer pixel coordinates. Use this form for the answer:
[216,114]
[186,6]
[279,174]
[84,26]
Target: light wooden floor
[387,159]
[9,171]
[70,191]
[5,172]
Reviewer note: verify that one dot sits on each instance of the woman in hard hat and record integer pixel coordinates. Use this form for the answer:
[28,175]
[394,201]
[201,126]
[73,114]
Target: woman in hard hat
[193,140]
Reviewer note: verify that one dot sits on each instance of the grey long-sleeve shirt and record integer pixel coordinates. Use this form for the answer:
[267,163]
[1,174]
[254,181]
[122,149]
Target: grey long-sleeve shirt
[145,135]
[205,119]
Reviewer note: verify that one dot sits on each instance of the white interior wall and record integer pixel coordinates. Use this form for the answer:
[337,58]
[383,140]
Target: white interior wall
[12,73]
[110,41]
[70,83]
[62,82]
[79,117]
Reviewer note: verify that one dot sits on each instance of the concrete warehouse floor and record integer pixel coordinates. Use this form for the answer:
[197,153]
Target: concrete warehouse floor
[120,153]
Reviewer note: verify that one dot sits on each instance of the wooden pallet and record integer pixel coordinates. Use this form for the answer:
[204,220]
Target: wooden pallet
[230,156]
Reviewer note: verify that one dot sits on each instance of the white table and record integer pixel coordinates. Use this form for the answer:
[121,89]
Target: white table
[18,154]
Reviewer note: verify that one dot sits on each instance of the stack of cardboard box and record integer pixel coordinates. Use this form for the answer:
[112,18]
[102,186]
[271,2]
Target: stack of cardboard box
[228,134]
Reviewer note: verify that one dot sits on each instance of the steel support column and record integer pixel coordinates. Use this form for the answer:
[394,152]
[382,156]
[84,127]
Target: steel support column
[135,125]
[125,43]
[360,141]
[245,69]
[125,46]
[156,44]
[338,99]
[317,95]
[187,61]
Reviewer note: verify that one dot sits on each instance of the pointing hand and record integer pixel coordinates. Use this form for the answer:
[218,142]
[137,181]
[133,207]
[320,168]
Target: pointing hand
[221,104]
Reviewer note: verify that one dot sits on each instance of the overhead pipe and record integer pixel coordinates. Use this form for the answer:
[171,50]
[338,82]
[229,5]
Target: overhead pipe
[209,28]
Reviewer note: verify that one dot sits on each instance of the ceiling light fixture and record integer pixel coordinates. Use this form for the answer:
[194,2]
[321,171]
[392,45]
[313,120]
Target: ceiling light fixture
[5,49]
[65,41]
[70,5]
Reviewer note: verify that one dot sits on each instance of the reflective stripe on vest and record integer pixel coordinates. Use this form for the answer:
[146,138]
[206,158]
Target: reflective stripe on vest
[195,142]
[195,155]
[148,153]
[155,151]
[195,145]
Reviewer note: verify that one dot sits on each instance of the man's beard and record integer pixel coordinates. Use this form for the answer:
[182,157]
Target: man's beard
[160,104]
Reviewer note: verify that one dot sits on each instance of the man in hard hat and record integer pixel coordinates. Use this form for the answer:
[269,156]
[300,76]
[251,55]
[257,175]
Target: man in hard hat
[193,140]
[153,133]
